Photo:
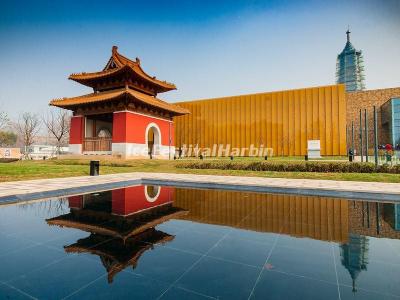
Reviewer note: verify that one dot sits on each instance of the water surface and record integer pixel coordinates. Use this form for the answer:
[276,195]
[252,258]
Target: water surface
[150,242]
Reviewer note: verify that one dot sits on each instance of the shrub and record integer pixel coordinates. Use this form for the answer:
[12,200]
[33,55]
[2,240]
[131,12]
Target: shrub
[320,166]
[8,160]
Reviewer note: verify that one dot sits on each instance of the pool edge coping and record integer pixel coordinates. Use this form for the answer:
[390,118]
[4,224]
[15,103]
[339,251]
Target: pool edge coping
[204,184]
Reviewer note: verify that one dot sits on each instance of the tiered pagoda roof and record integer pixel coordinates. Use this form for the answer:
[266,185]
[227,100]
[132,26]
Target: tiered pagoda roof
[121,65]
[116,226]
[123,93]
[121,84]
[116,254]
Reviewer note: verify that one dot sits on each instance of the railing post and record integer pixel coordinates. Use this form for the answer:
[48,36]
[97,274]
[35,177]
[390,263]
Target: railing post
[366,134]
[375,137]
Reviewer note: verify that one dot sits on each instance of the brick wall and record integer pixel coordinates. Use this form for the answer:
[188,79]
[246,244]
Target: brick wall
[367,99]
[364,217]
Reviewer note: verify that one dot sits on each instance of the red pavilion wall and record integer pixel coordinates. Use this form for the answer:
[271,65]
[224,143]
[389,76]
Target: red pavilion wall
[131,200]
[129,127]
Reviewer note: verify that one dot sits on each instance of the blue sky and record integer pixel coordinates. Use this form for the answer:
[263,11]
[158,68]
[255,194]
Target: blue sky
[207,48]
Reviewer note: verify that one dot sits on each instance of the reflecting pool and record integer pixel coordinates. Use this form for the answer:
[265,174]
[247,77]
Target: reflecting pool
[152,242]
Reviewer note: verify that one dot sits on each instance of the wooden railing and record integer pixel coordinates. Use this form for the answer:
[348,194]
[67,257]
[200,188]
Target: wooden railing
[97,144]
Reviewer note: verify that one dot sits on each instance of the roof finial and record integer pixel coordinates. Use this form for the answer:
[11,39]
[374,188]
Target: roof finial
[348,33]
[114,49]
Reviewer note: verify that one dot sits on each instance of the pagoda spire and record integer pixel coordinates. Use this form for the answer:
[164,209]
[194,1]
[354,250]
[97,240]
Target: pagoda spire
[350,67]
[348,34]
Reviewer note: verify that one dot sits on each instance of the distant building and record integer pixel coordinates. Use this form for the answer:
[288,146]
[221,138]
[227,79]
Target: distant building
[45,151]
[350,67]
[391,121]
[10,153]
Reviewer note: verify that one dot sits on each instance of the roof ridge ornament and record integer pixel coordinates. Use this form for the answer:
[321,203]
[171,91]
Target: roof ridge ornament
[114,49]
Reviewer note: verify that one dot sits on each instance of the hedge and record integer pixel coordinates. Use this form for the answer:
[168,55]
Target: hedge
[8,160]
[320,167]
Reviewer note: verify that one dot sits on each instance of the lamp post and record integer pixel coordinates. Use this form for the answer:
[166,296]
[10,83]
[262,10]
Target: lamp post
[352,137]
[361,138]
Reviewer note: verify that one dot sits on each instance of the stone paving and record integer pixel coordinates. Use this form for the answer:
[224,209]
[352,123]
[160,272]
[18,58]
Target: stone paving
[75,185]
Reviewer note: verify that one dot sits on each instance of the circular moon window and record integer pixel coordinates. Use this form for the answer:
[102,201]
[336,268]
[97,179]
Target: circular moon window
[152,192]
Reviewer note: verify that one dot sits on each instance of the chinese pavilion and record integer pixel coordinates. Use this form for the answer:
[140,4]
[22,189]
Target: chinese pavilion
[123,115]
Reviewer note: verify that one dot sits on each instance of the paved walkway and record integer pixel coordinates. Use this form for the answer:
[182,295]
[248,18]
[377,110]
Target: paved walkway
[45,188]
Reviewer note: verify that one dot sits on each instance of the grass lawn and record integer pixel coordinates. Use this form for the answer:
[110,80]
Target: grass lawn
[24,170]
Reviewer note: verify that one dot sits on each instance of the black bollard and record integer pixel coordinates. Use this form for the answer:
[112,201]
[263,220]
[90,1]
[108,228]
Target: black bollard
[266,157]
[94,168]
[306,157]
[231,157]
[351,155]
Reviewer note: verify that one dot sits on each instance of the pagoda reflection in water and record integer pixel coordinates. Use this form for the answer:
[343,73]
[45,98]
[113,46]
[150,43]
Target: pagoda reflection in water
[349,223]
[354,256]
[121,224]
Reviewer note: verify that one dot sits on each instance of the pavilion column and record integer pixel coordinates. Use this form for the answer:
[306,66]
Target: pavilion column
[167,142]
[76,134]
[119,134]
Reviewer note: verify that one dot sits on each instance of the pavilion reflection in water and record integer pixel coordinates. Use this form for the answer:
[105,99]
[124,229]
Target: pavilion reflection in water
[122,222]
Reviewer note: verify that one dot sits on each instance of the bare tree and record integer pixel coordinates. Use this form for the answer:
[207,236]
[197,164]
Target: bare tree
[4,120]
[28,126]
[57,122]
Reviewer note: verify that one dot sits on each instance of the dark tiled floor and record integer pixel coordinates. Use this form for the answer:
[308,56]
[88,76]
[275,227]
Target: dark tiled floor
[60,279]
[179,293]
[276,285]
[202,261]
[165,264]
[195,242]
[255,236]
[347,293]
[249,252]
[11,243]
[310,264]
[27,260]
[7,292]
[139,287]
[227,280]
